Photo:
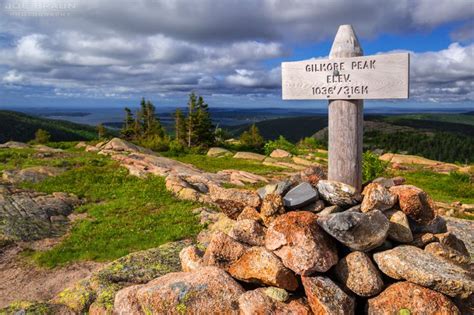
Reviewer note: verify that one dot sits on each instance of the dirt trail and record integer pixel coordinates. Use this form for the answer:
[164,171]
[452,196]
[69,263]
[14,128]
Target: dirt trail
[23,281]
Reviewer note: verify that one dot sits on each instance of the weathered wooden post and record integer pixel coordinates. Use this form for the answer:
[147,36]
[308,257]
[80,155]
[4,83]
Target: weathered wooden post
[345,120]
[346,79]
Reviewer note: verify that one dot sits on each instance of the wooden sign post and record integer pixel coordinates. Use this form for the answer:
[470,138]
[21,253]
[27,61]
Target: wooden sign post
[346,79]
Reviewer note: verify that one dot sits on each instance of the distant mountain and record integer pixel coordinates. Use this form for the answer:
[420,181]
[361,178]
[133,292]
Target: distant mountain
[22,127]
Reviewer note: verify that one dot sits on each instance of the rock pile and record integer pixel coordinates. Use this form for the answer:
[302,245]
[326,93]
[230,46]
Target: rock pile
[314,246]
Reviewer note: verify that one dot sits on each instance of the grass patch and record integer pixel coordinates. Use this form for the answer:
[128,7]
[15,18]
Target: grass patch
[442,187]
[125,213]
[215,164]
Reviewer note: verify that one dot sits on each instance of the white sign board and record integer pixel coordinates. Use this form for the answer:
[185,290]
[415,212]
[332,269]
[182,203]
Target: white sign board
[369,77]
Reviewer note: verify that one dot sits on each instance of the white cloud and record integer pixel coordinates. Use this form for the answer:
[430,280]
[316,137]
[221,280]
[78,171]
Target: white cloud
[120,47]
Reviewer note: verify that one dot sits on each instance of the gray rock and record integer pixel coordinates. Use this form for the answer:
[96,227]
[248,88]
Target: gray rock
[300,196]
[29,216]
[417,266]
[358,231]
[279,188]
[314,207]
[337,193]
[437,225]
[385,182]
[399,230]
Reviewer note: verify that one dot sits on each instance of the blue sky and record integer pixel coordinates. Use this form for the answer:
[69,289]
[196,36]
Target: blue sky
[101,53]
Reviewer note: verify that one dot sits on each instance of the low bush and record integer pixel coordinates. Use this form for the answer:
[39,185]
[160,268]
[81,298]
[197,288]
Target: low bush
[372,166]
[280,143]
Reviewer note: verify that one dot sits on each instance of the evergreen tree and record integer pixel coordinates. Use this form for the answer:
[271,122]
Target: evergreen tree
[42,136]
[128,124]
[204,129]
[101,131]
[252,138]
[180,126]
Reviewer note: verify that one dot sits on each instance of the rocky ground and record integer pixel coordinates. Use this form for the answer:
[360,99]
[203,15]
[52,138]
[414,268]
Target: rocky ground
[301,245]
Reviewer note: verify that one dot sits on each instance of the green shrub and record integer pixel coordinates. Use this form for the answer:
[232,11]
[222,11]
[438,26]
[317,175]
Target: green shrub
[280,143]
[309,143]
[176,148]
[252,138]
[155,143]
[372,166]
[42,136]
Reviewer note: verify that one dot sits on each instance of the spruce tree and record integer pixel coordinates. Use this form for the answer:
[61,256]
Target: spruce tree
[101,131]
[204,128]
[127,129]
[252,138]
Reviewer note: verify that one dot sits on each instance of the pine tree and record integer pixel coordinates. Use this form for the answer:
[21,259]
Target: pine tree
[127,130]
[180,126]
[252,138]
[42,136]
[204,128]
[101,131]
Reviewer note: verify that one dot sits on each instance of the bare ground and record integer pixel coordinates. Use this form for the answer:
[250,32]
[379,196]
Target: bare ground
[21,280]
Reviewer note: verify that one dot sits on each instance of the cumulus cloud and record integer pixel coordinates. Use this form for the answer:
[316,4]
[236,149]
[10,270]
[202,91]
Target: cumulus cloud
[117,48]
[444,75]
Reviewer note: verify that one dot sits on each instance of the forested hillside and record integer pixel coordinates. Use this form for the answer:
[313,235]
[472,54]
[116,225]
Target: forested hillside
[21,127]
[444,137]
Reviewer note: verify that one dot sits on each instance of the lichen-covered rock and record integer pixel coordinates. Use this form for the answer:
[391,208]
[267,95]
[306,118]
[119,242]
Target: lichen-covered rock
[277,294]
[248,232]
[78,298]
[357,273]
[272,207]
[120,145]
[412,298]
[420,267]
[205,290]
[249,156]
[191,258]
[300,243]
[32,174]
[222,251]
[315,207]
[14,145]
[313,175]
[451,254]
[258,265]
[26,215]
[300,196]
[232,201]
[326,298]
[377,197]
[250,213]
[142,266]
[416,204]
[126,301]
[337,193]
[279,188]
[216,151]
[279,153]
[356,230]
[399,229]
[257,302]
